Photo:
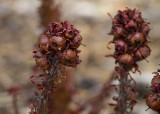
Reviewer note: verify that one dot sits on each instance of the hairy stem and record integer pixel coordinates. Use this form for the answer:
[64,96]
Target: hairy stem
[46,105]
[123,93]
[50,85]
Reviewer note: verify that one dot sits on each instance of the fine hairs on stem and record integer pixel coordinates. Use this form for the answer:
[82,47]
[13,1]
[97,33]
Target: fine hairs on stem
[57,49]
[130,32]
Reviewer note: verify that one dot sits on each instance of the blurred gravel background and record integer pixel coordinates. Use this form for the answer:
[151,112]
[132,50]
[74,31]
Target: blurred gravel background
[19,31]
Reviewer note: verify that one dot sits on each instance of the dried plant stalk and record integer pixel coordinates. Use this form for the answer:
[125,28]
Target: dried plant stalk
[57,49]
[130,33]
[123,90]
[49,11]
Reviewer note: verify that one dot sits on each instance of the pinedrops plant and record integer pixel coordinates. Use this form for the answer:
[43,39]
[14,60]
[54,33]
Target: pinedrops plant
[130,32]
[57,49]
[49,11]
[153,98]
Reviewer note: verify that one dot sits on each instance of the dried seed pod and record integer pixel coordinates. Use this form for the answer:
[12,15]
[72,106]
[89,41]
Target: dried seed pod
[67,25]
[76,42]
[57,27]
[156,84]
[153,101]
[57,42]
[137,16]
[118,32]
[44,43]
[69,34]
[126,60]
[120,45]
[125,18]
[137,39]
[131,23]
[142,53]
[69,55]
[145,51]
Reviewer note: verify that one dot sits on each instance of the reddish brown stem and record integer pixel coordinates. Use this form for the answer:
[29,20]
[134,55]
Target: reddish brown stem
[96,103]
[15,106]
[123,93]
[46,100]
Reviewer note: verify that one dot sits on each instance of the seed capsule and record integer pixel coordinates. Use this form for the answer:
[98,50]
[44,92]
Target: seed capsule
[57,42]
[57,27]
[125,59]
[67,25]
[44,43]
[76,41]
[153,101]
[120,45]
[142,53]
[69,55]
[69,34]
[125,18]
[131,23]
[137,17]
[118,31]
[137,39]
[156,84]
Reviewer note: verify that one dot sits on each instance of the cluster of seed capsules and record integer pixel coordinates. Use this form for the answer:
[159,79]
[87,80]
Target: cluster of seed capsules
[153,99]
[57,48]
[130,32]
[59,42]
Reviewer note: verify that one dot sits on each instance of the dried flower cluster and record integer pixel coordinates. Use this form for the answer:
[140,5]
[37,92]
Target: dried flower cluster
[153,98]
[130,37]
[130,33]
[57,48]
